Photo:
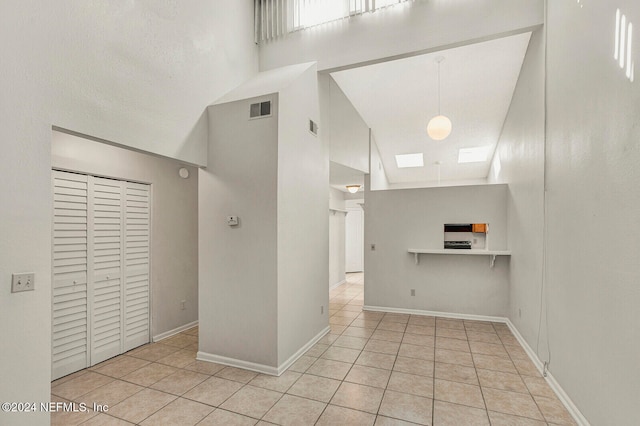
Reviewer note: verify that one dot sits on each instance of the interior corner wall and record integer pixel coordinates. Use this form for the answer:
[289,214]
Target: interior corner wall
[237,267]
[344,130]
[414,218]
[136,73]
[398,30]
[302,223]
[519,161]
[593,225]
[149,67]
[378,177]
[174,219]
[336,238]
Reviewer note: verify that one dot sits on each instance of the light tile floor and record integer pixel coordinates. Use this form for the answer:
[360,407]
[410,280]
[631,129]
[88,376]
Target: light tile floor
[373,368]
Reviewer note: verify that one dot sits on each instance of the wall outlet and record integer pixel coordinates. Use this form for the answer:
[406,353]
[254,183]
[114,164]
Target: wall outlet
[183,304]
[23,282]
[413,291]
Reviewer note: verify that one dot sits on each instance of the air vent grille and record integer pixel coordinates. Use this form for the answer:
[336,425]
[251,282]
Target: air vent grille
[260,109]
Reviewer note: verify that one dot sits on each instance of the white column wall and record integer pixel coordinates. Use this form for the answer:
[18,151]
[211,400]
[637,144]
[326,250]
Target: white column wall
[303,228]
[238,271]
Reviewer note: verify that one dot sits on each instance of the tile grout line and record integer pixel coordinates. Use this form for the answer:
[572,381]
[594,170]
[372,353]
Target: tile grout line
[381,326]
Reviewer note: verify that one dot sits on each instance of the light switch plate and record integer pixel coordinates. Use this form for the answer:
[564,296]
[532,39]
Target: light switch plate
[23,282]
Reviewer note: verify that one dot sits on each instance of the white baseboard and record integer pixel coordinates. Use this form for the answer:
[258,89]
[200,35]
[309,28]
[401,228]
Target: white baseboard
[174,331]
[238,363]
[555,386]
[553,383]
[293,358]
[338,284]
[434,313]
[262,368]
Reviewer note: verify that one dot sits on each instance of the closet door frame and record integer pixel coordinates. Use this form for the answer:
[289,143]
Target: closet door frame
[90,272]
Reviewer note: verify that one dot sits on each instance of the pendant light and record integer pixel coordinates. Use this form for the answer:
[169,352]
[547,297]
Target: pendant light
[439,127]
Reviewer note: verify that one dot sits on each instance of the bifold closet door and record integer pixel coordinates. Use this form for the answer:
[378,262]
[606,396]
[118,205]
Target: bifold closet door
[136,274]
[106,267]
[70,328]
[100,269]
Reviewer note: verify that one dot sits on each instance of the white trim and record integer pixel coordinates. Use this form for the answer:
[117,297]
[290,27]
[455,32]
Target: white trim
[233,362]
[262,368]
[553,383]
[336,285]
[435,314]
[293,358]
[175,331]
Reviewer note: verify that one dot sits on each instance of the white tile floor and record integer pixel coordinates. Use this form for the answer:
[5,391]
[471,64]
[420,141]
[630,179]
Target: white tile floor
[373,368]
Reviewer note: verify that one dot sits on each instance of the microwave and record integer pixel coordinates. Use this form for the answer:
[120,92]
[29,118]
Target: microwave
[465,236]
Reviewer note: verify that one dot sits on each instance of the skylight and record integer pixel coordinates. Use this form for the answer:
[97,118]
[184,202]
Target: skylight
[409,160]
[473,155]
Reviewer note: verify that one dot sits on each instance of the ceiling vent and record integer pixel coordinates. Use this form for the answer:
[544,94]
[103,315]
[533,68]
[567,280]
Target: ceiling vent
[313,127]
[260,109]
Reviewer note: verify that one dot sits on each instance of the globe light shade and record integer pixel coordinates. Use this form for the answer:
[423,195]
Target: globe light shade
[439,127]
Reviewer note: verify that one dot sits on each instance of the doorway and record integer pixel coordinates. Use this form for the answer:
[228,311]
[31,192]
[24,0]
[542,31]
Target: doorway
[354,239]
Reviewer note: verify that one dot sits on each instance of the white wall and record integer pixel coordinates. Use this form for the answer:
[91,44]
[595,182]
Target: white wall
[400,30]
[174,219]
[336,238]
[238,269]
[344,131]
[377,176]
[519,161]
[266,279]
[147,66]
[303,228]
[136,73]
[593,200]
[354,238]
[414,218]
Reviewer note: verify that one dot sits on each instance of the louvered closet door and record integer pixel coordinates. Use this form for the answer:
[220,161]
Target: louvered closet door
[69,298]
[101,235]
[136,275]
[106,268]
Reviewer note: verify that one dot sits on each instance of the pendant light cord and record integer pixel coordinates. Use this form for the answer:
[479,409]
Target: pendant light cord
[439,87]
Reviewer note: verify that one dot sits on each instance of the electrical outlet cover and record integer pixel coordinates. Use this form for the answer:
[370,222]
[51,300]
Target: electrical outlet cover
[23,282]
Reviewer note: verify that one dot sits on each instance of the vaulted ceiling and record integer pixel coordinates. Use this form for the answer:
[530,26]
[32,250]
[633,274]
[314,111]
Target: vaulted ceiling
[396,99]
